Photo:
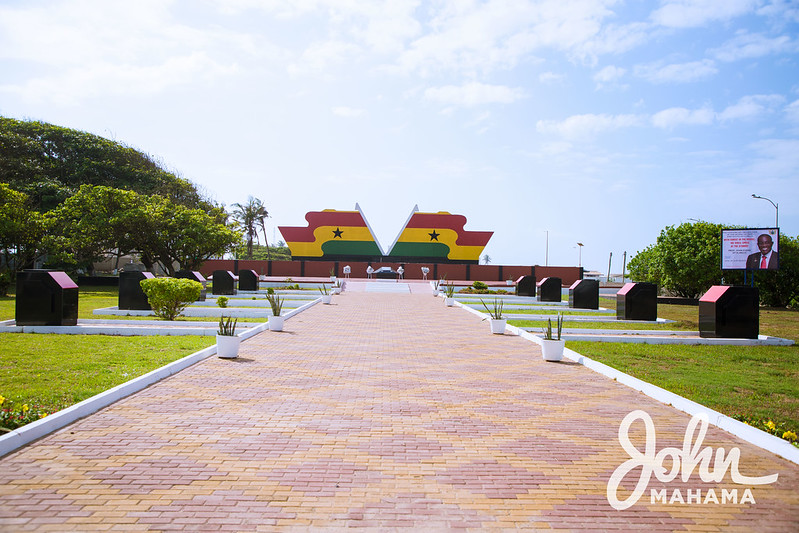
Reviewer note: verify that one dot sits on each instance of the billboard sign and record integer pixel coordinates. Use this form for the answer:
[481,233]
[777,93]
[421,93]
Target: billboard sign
[750,249]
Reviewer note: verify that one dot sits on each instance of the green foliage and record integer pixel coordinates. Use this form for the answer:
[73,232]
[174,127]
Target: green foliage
[12,417]
[251,217]
[686,261]
[449,289]
[548,330]
[495,311]
[226,327]
[49,163]
[5,283]
[646,266]
[323,289]
[275,303]
[99,220]
[480,286]
[21,228]
[221,301]
[169,296]
[263,253]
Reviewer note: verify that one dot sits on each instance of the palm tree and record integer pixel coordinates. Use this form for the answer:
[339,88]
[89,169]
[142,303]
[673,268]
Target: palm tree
[486,259]
[251,217]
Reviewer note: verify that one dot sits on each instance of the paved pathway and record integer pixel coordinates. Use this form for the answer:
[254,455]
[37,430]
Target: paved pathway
[381,411]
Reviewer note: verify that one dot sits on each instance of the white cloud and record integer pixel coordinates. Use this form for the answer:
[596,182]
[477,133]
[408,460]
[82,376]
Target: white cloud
[472,94]
[792,111]
[608,75]
[479,38]
[588,125]
[347,112]
[677,116]
[751,107]
[693,13]
[751,45]
[550,77]
[677,72]
[320,56]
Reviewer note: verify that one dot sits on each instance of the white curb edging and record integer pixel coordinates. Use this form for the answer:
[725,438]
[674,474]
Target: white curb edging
[750,434]
[35,430]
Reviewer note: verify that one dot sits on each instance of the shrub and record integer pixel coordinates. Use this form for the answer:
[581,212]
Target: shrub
[5,283]
[479,286]
[221,301]
[169,296]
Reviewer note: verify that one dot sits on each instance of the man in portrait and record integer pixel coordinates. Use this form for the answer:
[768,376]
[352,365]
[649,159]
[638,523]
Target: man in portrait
[766,258]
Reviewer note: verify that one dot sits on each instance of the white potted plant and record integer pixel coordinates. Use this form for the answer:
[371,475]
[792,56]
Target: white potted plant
[449,289]
[551,347]
[275,321]
[437,286]
[336,289]
[227,342]
[332,274]
[326,296]
[495,312]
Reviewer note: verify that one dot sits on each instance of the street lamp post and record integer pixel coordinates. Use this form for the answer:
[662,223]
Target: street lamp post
[580,255]
[776,206]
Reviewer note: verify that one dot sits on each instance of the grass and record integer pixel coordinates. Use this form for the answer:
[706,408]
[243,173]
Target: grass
[54,371]
[755,382]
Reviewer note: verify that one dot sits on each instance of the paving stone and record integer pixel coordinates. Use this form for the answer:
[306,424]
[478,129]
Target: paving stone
[381,411]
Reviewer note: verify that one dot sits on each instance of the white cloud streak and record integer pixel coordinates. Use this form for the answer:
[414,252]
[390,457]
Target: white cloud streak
[473,94]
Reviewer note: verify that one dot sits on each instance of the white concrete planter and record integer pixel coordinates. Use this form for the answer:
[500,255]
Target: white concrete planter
[498,326]
[276,323]
[327,298]
[552,350]
[227,347]
[336,290]
[333,279]
[449,301]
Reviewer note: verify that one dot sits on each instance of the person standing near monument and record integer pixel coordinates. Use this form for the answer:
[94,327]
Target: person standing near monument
[766,258]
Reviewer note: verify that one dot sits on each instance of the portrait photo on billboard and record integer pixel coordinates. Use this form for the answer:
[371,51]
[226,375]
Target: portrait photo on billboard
[750,249]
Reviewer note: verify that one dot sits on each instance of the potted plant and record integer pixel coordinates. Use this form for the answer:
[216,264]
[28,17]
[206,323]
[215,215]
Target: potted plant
[227,342]
[275,321]
[437,286]
[449,289]
[336,287]
[326,296]
[332,274]
[495,312]
[551,347]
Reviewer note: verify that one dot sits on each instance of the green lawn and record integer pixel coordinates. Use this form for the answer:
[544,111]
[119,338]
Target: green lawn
[755,382]
[50,372]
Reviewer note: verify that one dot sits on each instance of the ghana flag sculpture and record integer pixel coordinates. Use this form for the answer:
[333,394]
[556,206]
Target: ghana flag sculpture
[332,234]
[438,237]
[426,237]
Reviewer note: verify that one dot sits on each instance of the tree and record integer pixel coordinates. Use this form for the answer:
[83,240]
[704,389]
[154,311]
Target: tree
[685,260]
[90,224]
[645,266]
[486,259]
[21,230]
[251,217]
[49,163]
[177,237]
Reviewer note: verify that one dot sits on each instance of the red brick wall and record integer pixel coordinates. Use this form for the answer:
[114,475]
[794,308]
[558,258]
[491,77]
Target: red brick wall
[454,272]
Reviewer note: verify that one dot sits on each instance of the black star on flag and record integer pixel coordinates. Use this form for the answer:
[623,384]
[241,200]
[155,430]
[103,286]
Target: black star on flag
[434,235]
[337,233]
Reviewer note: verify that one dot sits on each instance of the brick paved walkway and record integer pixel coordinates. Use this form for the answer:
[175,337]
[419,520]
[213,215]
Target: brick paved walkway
[381,411]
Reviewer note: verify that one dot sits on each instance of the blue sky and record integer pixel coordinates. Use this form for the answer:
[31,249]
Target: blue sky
[589,121]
